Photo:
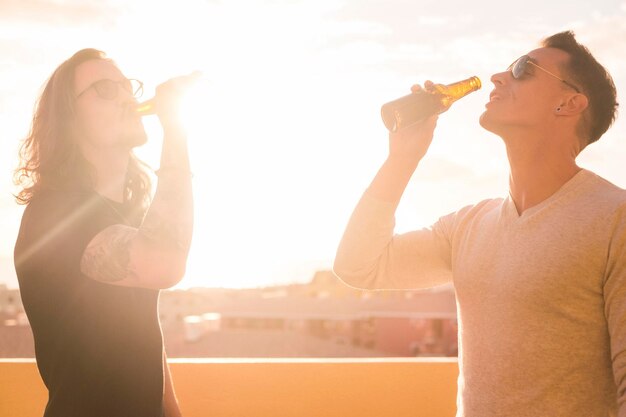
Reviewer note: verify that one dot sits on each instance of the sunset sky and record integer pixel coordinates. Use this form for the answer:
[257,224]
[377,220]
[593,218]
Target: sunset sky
[285,128]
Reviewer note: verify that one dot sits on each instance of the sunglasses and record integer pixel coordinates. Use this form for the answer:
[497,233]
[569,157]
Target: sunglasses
[109,89]
[520,67]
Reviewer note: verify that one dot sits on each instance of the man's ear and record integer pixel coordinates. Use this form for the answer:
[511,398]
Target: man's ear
[573,104]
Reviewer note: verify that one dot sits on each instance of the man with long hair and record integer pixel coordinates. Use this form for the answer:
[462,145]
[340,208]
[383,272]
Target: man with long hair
[93,248]
[540,275]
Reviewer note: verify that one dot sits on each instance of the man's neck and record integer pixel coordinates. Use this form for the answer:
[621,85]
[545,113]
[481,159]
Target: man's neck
[539,169]
[111,167]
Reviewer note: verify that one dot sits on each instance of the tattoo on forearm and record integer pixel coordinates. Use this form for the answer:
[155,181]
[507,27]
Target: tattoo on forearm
[107,257]
[169,220]
[162,230]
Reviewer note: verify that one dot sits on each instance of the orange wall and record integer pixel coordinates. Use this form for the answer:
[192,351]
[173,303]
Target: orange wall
[278,387]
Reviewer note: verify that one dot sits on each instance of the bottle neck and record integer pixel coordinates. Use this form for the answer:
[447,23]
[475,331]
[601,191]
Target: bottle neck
[461,88]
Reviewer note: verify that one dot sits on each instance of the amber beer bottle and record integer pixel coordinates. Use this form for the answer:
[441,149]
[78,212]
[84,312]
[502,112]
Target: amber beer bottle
[418,106]
[146,108]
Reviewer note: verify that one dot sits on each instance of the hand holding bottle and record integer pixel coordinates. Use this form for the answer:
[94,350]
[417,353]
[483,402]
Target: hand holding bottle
[166,102]
[406,148]
[409,145]
[412,108]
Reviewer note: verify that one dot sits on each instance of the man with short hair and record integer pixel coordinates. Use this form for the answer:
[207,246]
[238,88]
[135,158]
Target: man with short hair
[540,275]
[93,250]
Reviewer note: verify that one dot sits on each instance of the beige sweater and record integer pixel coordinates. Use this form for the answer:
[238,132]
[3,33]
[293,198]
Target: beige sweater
[541,297]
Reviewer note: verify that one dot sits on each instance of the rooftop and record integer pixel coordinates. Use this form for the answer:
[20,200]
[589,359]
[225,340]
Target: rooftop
[278,387]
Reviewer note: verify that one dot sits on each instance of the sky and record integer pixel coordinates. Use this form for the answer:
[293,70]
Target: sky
[284,128]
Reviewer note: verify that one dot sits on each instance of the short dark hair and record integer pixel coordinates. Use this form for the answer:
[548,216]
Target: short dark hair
[594,81]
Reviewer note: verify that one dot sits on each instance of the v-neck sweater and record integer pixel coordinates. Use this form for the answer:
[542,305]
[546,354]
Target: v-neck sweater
[541,296]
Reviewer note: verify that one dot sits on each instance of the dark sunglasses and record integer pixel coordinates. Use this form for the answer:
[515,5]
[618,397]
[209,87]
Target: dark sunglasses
[109,89]
[520,67]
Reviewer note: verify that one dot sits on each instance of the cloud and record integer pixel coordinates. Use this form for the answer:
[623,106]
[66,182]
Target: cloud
[604,35]
[53,13]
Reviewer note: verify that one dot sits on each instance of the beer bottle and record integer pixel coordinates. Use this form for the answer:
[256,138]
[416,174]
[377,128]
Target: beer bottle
[146,108]
[418,106]
[184,82]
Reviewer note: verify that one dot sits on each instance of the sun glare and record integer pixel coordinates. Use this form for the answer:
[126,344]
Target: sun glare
[258,124]
[284,134]
[284,128]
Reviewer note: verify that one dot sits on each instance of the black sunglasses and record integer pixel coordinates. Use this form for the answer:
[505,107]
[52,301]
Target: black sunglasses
[520,67]
[109,89]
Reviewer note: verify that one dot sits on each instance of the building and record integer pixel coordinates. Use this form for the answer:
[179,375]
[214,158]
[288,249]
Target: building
[322,318]
[16,339]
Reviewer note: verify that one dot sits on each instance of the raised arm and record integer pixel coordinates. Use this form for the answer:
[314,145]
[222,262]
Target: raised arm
[155,254]
[369,255]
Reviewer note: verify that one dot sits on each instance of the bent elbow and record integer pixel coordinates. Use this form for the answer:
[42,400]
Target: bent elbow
[351,277]
[170,275]
[162,270]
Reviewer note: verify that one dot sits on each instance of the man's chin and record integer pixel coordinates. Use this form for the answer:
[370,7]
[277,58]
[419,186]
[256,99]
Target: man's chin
[139,140]
[135,139]
[487,122]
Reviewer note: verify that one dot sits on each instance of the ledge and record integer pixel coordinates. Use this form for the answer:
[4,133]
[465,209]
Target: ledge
[398,387]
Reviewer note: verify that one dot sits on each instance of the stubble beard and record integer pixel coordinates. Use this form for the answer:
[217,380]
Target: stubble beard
[488,123]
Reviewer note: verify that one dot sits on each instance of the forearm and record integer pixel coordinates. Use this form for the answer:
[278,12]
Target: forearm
[168,224]
[407,147]
[170,402]
[392,179]
[174,152]
[362,249]
[370,255]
